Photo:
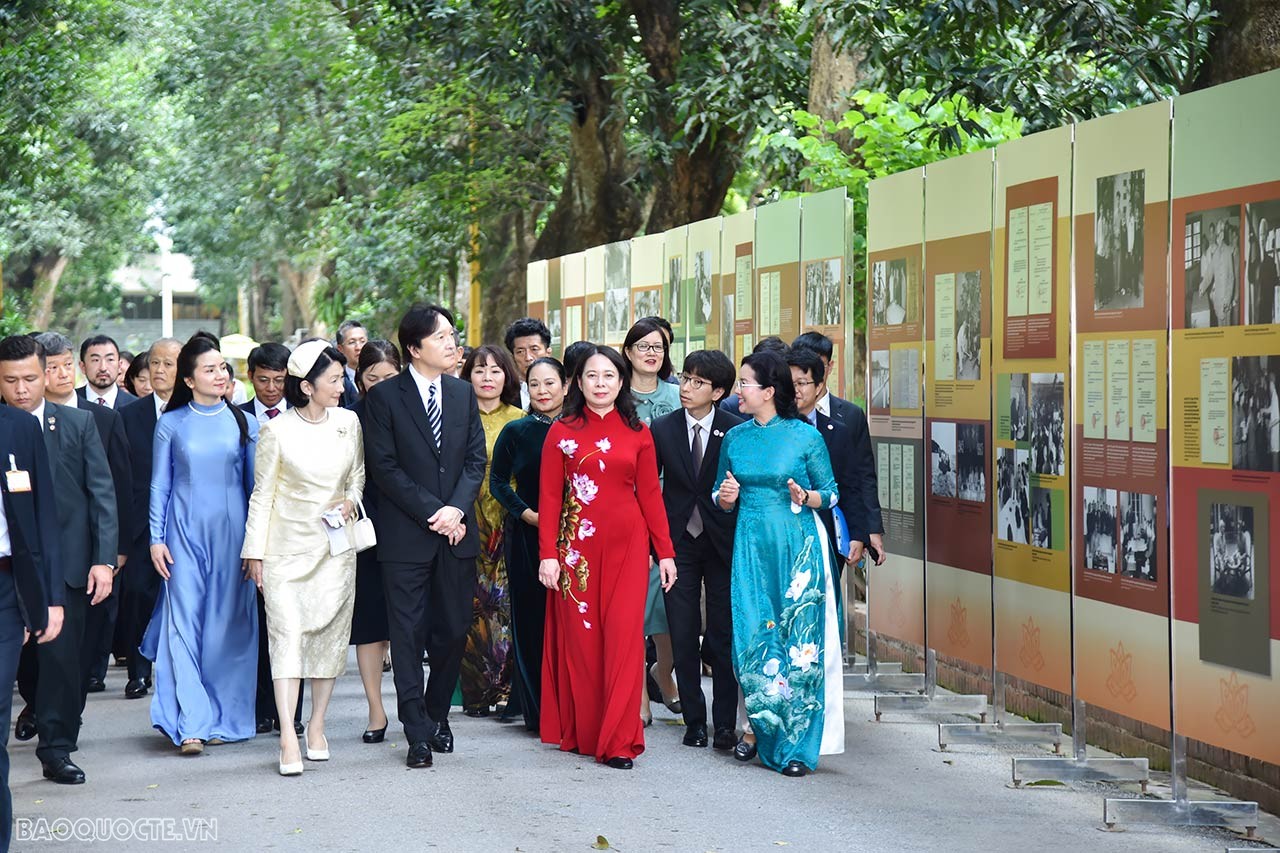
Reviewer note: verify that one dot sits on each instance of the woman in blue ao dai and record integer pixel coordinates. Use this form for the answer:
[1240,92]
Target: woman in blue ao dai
[786,640]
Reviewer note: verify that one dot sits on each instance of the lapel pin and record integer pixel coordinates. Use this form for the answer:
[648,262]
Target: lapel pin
[53,423]
[717,433]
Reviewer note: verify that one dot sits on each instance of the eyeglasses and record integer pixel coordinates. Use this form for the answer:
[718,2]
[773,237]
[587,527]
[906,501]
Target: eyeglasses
[697,383]
[644,347]
[739,385]
[803,383]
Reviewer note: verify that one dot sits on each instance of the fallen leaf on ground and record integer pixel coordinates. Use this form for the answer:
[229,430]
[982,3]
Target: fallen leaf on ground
[602,843]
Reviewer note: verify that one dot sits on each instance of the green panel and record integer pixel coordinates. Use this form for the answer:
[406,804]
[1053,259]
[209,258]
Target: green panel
[822,226]
[1227,136]
[778,233]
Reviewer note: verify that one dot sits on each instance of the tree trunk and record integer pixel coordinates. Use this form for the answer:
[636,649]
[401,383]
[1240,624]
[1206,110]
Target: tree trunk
[505,251]
[301,284]
[46,272]
[597,204]
[1247,42]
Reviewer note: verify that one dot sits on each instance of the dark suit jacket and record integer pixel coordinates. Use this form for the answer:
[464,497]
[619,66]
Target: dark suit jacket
[86,497]
[123,397]
[350,394]
[414,478]
[838,440]
[139,421]
[683,488]
[730,405]
[868,520]
[111,433]
[32,517]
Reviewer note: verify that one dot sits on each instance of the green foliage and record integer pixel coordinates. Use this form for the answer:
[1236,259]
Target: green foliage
[889,135]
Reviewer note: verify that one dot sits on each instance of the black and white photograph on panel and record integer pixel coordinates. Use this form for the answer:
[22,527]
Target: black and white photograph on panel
[702,288]
[1255,393]
[1048,424]
[880,379]
[822,293]
[1018,409]
[901,305]
[595,321]
[968,326]
[1100,529]
[553,323]
[942,459]
[726,327]
[648,303]
[1013,480]
[675,288]
[1118,241]
[1231,567]
[971,462]
[1262,262]
[1211,255]
[1138,536]
[1042,532]
[880,293]
[617,290]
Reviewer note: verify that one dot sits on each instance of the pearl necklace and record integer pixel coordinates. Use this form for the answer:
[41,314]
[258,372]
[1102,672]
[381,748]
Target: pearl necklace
[217,411]
[308,420]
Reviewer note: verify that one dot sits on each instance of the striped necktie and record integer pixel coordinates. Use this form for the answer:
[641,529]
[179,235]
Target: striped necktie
[433,413]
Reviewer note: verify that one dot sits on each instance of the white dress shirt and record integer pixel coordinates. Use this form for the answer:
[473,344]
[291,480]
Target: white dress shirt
[704,422]
[160,404]
[524,395]
[260,411]
[92,396]
[424,385]
[824,405]
[38,414]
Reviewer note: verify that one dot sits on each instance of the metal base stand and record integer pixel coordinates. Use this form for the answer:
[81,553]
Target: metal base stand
[1182,811]
[882,676]
[930,702]
[1081,768]
[999,731]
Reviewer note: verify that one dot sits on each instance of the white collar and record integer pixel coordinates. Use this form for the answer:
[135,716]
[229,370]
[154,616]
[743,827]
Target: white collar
[704,422]
[424,383]
[824,404]
[38,414]
[261,410]
[92,396]
[160,404]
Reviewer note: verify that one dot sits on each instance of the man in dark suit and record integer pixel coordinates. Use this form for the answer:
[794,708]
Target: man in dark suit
[139,581]
[268,366]
[688,450]
[867,527]
[425,451]
[31,588]
[351,338]
[51,676]
[100,364]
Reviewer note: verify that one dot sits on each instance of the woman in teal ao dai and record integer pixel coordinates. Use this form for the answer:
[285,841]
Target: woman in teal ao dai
[786,639]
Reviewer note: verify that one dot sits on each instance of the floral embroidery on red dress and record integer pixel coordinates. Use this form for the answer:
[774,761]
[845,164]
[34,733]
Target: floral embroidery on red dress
[579,491]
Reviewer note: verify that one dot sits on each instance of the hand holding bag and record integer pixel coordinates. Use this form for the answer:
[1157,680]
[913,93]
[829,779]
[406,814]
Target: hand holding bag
[363,536]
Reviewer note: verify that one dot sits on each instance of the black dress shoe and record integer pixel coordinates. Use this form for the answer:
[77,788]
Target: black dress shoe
[95,685]
[794,769]
[62,771]
[136,688]
[476,712]
[265,725]
[25,729]
[442,740]
[619,763]
[724,739]
[374,735]
[744,751]
[696,735]
[298,728]
[419,755]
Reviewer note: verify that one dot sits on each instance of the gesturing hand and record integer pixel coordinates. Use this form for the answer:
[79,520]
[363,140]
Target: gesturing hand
[728,491]
[549,573]
[798,495]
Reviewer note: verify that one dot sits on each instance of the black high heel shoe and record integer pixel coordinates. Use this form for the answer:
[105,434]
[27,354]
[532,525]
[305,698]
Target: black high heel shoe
[374,735]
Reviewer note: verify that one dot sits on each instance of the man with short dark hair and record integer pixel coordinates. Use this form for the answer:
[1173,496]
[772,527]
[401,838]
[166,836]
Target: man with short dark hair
[100,364]
[268,366]
[350,339]
[868,525]
[528,339]
[51,676]
[687,445]
[425,451]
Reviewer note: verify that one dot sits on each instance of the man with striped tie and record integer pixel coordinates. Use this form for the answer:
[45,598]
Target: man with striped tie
[425,451]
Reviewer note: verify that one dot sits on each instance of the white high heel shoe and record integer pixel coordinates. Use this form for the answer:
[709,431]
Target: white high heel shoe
[294,769]
[317,754]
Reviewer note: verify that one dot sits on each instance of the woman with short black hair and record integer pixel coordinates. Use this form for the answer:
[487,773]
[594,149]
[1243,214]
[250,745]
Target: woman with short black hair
[297,546]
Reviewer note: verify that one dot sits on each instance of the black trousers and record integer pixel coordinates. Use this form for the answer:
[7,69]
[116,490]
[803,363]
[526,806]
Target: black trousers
[429,606]
[266,703]
[10,649]
[51,680]
[699,565]
[99,633]
[528,618]
[138,594]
